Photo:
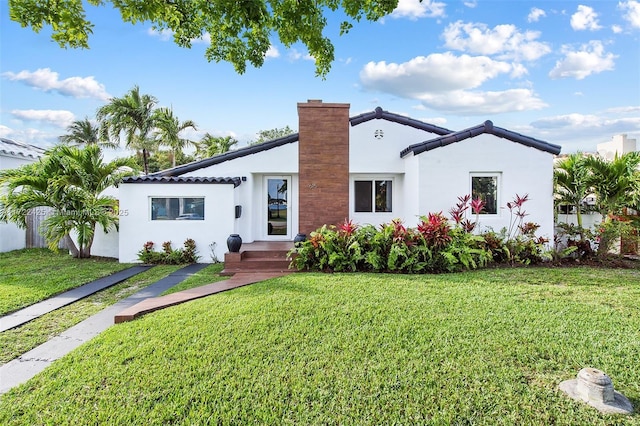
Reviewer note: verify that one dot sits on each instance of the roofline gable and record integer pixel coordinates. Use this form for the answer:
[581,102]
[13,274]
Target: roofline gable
[227,156]
[15,149]
[380,114]
[471,132]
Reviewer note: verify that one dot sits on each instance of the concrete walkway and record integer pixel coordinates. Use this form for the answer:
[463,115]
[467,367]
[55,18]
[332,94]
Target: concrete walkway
[31,363]
[36,310]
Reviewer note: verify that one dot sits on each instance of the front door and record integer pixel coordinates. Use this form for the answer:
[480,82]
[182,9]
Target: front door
[277,211]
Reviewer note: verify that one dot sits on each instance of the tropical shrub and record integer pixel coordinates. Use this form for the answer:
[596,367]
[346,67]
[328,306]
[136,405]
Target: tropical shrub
[169,255]
[435,245]
[610,231]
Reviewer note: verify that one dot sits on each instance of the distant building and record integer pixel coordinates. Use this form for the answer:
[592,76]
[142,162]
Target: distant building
[619,144]
[13,155]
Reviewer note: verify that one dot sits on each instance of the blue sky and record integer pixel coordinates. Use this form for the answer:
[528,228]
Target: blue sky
[567,72]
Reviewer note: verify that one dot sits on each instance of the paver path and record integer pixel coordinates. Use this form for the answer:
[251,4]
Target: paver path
[155,303]
[31,363]
[63,299]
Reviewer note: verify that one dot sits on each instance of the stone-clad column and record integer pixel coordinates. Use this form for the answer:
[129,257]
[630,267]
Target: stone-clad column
[323,164]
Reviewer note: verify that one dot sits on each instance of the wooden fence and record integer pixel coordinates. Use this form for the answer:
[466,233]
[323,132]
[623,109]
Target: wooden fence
[35,217]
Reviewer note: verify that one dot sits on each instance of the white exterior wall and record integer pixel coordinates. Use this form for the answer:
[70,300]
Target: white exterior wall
[589,220]
[105,244]
[136,226]
[12,237]
[372,157]
[280,161]
[445,175]
[368,154]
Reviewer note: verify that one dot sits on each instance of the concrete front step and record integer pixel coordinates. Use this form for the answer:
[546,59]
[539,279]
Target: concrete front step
[264,254]
[256,261]
[255,267]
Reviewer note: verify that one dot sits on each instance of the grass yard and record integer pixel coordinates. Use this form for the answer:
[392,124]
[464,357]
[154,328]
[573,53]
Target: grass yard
[208,275]
[29,276]
[19,340]
[484,347]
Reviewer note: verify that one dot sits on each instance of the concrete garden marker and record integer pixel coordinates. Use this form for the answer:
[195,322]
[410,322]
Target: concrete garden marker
[596,389]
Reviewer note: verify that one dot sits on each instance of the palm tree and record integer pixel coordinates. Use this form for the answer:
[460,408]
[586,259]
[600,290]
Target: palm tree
[70,180]
[132,115]
[211,145]
[84,132]
[168,129]
[571,182]
[616,183]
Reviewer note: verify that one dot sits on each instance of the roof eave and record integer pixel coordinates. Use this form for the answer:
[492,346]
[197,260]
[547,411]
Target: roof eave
[380,114]
[486,127]
[227,156]
[149,179]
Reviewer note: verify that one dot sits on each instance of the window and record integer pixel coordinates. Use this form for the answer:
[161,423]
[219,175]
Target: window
[178,208]
[373,194]
[485,187]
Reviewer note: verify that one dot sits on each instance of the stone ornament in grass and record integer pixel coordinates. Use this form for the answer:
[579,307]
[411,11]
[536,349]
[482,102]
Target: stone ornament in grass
[596,389]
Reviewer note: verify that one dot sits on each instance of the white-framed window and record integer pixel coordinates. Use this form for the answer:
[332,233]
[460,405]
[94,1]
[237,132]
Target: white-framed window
[486,186]
[177,208]
[373,195]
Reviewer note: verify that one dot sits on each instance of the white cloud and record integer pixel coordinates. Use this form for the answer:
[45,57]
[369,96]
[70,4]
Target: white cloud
[5,132]
[535,14]
[415,9]
[58,118]
[519,70]
[632,7]
[438,72]
[272,52]
[617,29]
[49,81]
[567,120]
[164,35]
[480,103]
[584,131]
[625,110]
[471,4]
[31,136]
[205,38]
[585,19]
[444,81]
[503,40]
[295,55]
[590,59]
[167,35]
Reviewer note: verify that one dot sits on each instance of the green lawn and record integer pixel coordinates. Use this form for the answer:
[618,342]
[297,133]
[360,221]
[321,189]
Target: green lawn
[29,276]
[484,347]
[208,275]
[19,340]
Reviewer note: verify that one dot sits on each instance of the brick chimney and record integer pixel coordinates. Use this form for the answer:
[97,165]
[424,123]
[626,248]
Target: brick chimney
[323,164]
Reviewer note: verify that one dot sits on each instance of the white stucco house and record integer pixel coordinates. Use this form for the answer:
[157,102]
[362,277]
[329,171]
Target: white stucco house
[618,145]
[370,168]
[14,154]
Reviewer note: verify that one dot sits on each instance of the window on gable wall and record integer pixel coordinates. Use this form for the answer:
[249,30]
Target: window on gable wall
[485,187]
[177,208]
[373,196]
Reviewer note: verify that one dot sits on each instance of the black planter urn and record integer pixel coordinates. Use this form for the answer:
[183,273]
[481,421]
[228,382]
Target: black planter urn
[234,242]
[299,238]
